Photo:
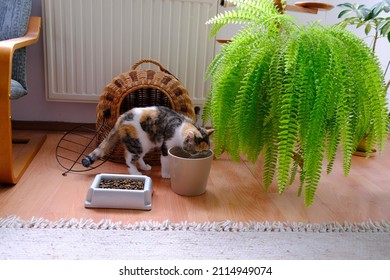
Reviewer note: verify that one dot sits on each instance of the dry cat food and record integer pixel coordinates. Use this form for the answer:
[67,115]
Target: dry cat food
[123,184]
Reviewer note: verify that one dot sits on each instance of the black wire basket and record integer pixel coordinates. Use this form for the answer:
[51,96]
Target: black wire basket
[78,143]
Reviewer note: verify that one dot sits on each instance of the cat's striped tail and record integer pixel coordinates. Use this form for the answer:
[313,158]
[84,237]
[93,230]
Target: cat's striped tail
[103,149]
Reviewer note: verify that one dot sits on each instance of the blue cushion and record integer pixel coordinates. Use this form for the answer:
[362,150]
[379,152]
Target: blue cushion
[14,18]
[17,90]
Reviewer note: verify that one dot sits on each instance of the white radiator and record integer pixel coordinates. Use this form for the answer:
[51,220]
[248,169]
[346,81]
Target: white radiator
[88,42]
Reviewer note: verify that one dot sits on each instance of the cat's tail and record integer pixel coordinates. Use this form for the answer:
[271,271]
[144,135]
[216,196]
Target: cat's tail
[103,149]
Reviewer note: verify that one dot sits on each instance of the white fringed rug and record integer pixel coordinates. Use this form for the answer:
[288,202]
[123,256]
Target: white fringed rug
[88,240]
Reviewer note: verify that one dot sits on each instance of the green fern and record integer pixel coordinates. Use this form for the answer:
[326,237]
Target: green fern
[293,93]
[251,12]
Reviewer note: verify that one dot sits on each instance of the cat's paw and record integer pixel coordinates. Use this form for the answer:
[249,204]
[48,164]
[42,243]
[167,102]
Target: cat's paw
[134,171]
[145,167]
[165,175]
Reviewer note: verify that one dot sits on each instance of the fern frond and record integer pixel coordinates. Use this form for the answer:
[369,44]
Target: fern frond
[288,125]
[206,114]
[313,138]
[251,12]
[250,102]
[270,163]
[213,66]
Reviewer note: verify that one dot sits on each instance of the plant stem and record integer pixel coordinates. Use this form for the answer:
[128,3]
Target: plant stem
[388,82]
[373,49]
[375,39]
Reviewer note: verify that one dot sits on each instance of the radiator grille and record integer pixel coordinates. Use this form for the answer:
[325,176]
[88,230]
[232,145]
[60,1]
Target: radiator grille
[88,42]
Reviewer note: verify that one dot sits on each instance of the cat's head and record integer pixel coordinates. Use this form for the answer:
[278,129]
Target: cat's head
[196,139]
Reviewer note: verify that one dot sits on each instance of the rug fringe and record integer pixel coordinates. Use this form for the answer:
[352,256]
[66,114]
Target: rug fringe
[221,226]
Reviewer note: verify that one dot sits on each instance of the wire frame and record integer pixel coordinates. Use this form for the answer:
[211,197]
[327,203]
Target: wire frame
[76,144]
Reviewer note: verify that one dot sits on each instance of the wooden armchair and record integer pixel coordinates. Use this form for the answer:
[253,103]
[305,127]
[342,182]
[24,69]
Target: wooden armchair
[12,167]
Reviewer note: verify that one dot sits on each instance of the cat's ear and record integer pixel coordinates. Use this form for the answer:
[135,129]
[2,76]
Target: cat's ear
[190,135]
[210,131]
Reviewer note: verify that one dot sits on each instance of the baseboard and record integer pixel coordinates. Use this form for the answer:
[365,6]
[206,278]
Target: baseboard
[45,125]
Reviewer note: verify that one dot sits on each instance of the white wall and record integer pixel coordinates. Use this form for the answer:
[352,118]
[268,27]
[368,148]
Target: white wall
[34,107]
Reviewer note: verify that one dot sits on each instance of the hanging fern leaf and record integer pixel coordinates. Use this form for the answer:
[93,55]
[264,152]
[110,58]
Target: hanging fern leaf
[288,126]
[294,94]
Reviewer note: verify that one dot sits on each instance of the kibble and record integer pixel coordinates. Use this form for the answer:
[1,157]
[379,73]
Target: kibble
[123,184]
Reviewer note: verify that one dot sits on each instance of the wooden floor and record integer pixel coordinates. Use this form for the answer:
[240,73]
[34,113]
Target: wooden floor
[234,192]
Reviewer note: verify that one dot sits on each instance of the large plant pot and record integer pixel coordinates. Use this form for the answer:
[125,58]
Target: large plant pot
[362,150]
[189,174]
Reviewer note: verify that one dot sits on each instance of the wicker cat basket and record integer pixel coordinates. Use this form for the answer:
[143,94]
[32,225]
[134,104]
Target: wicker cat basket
[140,88]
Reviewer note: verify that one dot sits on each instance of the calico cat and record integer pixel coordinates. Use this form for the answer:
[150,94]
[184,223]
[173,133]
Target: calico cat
[142,129]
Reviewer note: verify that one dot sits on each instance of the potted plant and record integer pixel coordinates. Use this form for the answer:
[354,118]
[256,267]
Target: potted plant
[294,93]
[376,27]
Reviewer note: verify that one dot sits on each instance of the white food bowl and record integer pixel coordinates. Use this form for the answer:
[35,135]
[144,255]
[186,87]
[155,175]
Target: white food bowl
[98,197]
